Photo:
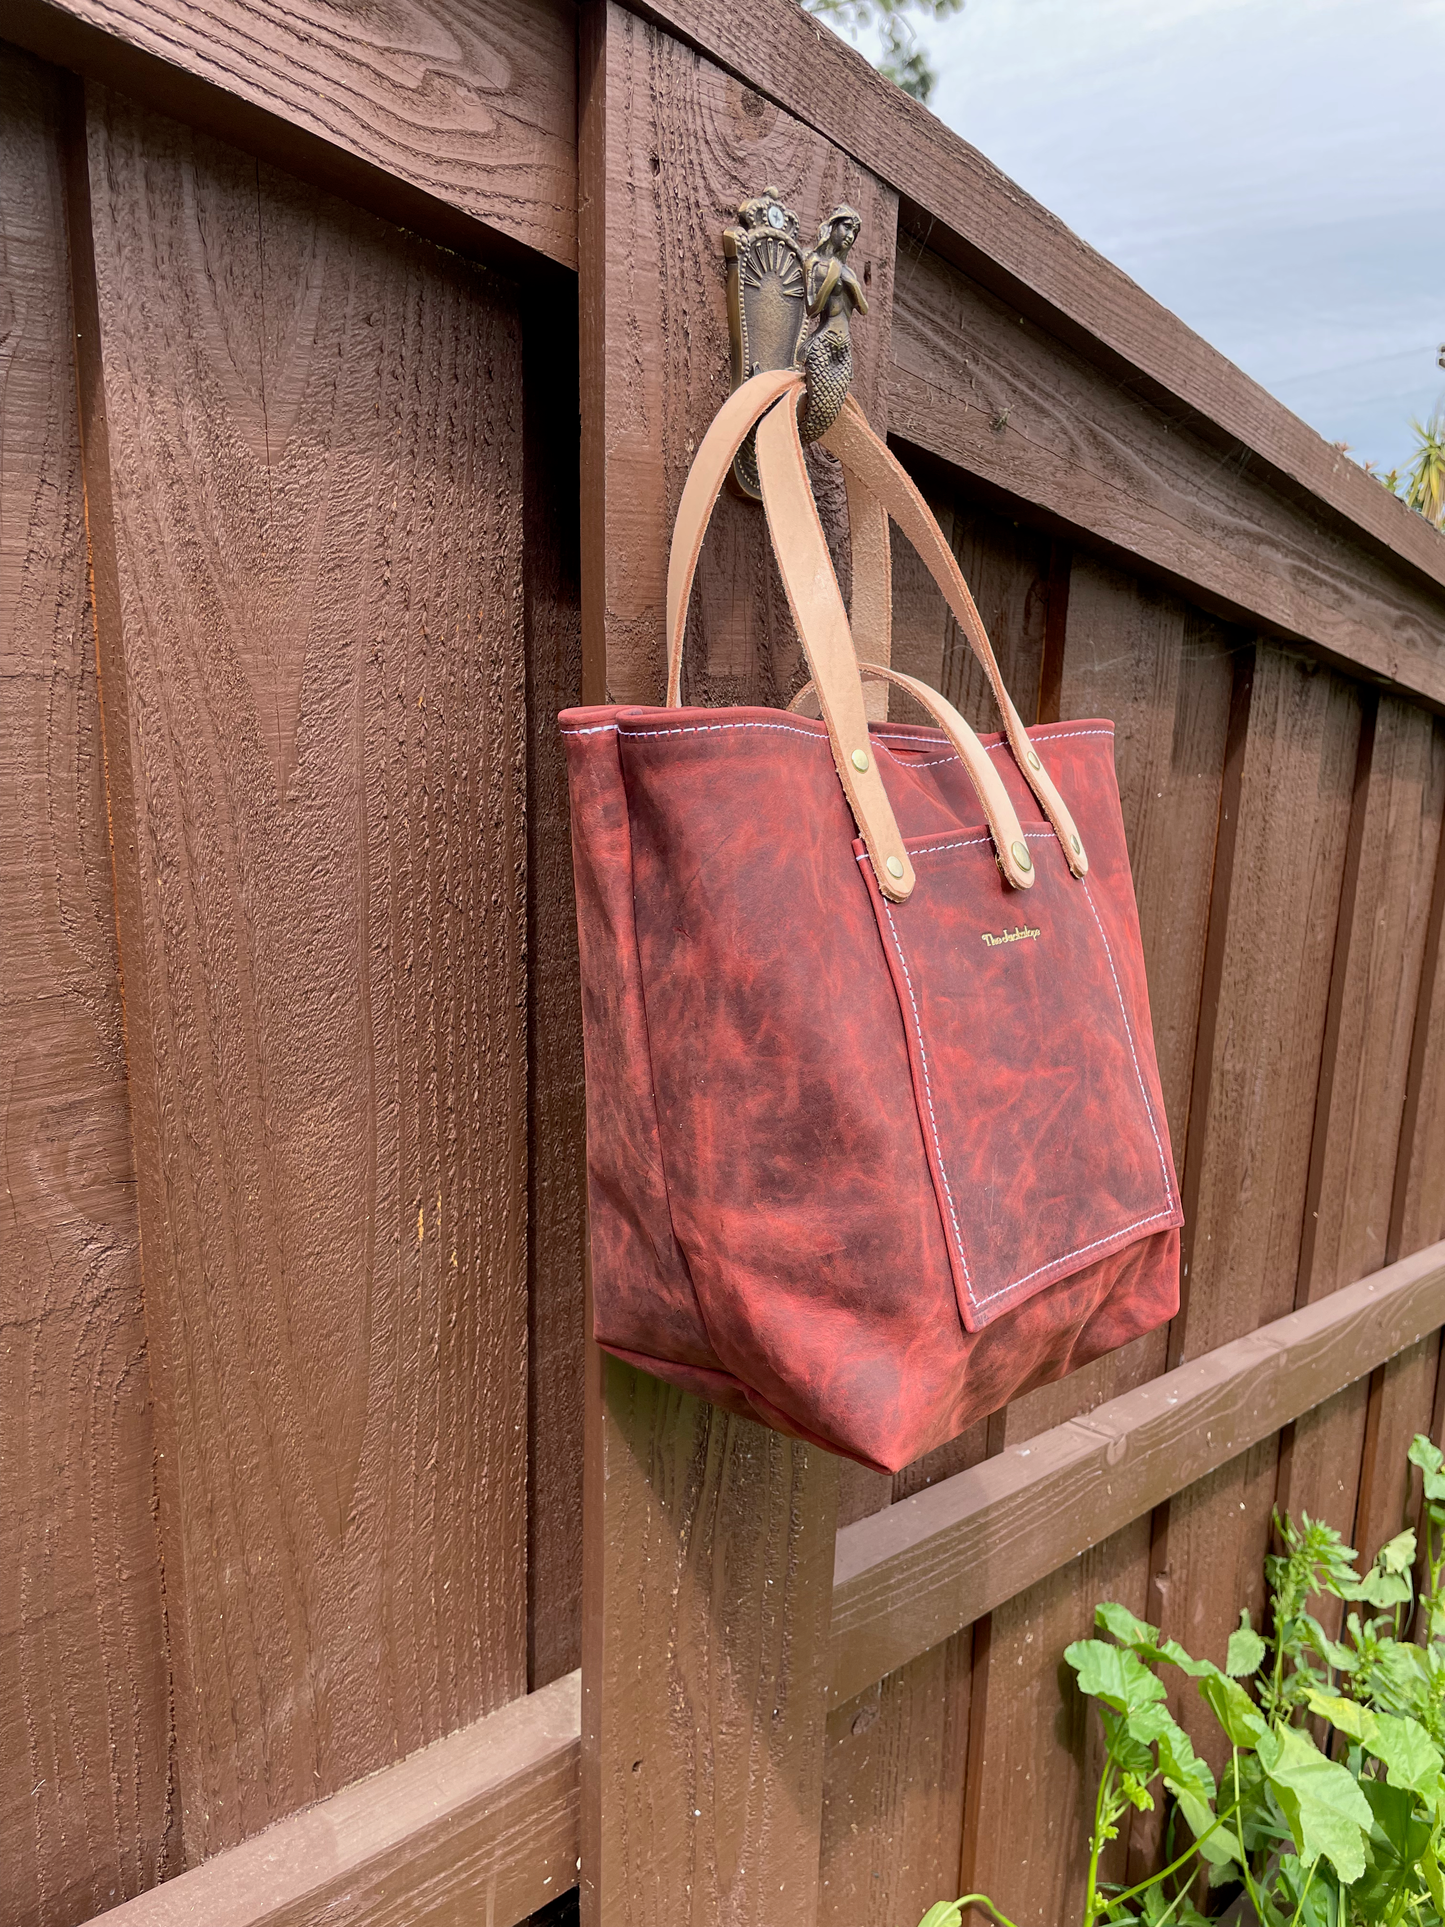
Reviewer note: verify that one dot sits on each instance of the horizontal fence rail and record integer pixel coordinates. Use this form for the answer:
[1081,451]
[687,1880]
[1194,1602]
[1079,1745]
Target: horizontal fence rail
[488,1818]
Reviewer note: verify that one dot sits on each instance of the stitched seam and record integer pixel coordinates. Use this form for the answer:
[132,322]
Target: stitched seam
[928,1094]
[1129,1033]
[1079,1251]
[968,843]
[788,729]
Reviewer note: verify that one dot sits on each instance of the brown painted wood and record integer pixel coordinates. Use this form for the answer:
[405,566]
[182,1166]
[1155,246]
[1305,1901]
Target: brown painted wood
[974,383]
[1032,1781]
[893,1792]
[1418,1213]
[303,453]
[655,359]
[480,1825]
[917,1572]
[959,204]
[1374,993]
[556,1197]
[485,1816]
[458,121]
[83,1683]
[705,1659]
[1285,817]
[707,1540]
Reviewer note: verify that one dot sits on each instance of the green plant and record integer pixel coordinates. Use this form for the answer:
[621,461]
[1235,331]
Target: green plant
[1422,484]
[1330,1811]
[902,60]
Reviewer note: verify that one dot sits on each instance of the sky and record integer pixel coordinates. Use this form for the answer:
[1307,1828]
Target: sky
[1272,170]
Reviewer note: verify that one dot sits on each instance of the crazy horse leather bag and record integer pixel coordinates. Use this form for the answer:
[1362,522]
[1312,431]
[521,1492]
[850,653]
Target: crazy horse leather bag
[875,1134]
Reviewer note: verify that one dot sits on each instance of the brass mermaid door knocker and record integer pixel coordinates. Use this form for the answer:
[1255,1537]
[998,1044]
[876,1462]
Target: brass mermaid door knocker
[834,291]
[774,289]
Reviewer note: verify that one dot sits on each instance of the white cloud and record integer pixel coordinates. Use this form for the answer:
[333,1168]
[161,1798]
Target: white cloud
[1267,168]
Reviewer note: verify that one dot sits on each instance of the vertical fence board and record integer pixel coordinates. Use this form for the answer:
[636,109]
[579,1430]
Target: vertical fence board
[1418,1216]
[708,1541]
[304,463]
[1284,824]
[556,1161]
[1374,994]
[83,1687]
[1035,1750]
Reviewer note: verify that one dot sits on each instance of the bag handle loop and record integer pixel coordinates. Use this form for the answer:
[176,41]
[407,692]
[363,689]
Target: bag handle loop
[867,455]
[997,804]
[878,487]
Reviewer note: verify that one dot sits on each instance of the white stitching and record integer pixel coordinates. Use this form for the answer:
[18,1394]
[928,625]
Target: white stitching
[1123,1230]
[1129,1033]
[1063,1257]
[711,729]
[812,735]
[928,1093]
[968,843]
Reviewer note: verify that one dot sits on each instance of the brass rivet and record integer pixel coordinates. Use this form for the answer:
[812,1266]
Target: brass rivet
[1021,856]
[894,867]
[860,759]
[1034,762]
[1078,846]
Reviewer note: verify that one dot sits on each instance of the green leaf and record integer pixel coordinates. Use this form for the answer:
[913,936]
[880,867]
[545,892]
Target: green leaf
[1433,1876]
[1431,1461]
[1142,1638]
[1398,1554]
[1400,1834]
[1113,1674]
[1189,1779]
[1411,1758]
[1246,1650]
[1325,1809]
[1346,1716]
[1234,1709]
[944,1913]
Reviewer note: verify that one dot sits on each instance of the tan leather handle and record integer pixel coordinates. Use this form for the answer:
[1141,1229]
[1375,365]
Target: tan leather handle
[872,614]
[822,625]
[1009,843]
[728,430]
[867,456]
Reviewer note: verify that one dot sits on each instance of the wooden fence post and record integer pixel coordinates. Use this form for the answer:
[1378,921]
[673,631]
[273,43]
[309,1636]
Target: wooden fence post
[709,1540]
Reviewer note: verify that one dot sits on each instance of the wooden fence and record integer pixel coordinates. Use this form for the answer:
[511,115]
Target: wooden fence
[300,551]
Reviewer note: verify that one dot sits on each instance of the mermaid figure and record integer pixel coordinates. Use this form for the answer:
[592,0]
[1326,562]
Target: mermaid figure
[833,291]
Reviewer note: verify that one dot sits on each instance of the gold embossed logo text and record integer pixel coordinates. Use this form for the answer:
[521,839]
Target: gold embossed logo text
[1008,936]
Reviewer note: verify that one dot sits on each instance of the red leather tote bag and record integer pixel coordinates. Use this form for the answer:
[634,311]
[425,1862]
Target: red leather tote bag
[875,1135]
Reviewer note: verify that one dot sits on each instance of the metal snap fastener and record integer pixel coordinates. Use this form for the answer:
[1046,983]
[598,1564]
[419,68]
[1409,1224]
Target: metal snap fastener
[894,867]
[1034,762]
[860,759]
[1021,856]
[1078,846]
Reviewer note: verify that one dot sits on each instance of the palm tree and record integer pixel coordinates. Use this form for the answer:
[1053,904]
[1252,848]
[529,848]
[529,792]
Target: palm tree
[1424,479]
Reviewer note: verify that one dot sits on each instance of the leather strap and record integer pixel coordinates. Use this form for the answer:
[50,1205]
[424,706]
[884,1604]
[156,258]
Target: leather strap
[822,625]
[863,453]
[730,428]
[1009,844]
[870,614]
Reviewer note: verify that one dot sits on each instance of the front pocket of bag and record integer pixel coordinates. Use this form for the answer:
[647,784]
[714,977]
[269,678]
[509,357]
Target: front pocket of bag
[1036,1086]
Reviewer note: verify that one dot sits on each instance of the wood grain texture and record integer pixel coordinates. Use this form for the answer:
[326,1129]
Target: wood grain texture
[1031,1782]
[459,121]
[707,1540]
[481,1825]
[83,1683]
[915,1573]
[556,1160]
[893,1792]
[1374,992]
[1419,1206]
[303,456]
[975,383]
[1290,773]
[961,205]
[705,1661]
[684,143]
